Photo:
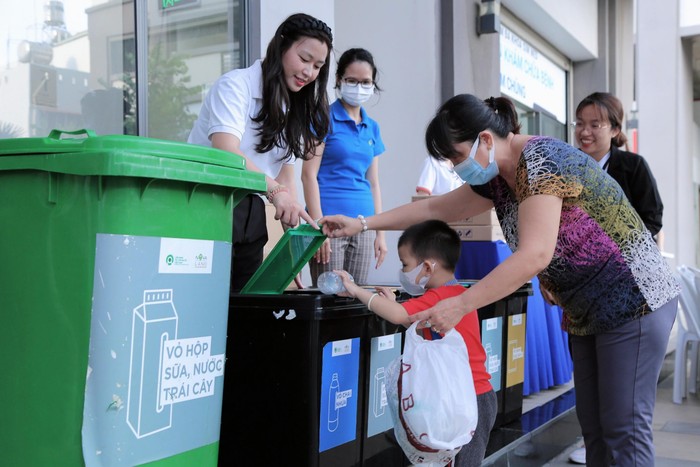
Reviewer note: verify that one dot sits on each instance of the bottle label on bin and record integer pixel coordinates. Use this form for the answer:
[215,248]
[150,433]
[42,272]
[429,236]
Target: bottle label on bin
[157,342]
[339,385]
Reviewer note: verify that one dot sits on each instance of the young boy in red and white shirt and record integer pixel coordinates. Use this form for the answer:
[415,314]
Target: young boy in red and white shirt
[429,252]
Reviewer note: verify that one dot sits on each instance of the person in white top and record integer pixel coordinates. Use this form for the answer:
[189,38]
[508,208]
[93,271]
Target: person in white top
[437,177]
[272,113]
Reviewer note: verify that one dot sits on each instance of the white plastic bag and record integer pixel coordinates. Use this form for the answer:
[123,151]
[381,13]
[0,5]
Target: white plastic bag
[432,397]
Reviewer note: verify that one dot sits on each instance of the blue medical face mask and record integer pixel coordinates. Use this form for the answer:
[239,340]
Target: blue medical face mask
[472,172]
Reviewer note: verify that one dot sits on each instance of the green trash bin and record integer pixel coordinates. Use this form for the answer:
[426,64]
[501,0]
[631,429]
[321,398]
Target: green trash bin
[115,288]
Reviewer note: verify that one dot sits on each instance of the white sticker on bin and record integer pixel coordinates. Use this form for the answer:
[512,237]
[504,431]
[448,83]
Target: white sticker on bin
[185,256]
[385,342]
[343,347]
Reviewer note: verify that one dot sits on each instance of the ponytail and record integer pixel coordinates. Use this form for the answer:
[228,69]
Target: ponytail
[620,140]
[505,111]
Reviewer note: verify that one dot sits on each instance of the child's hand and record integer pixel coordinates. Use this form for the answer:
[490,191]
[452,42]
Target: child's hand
[386,292]
[350,287]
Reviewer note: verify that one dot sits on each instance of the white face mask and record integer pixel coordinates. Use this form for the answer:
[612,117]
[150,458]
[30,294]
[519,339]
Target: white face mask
[355,95]
[408,281]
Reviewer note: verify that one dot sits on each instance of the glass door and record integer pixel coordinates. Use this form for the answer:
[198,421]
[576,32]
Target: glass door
[190,44]
[114,66]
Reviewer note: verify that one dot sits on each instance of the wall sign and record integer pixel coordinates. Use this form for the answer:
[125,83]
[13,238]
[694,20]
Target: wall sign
[530,77]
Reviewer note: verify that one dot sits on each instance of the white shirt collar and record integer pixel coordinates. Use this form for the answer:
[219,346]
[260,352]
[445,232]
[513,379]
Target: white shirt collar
[604,161]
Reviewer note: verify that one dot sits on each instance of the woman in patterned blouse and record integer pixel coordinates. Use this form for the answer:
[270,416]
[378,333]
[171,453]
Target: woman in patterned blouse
[570,224]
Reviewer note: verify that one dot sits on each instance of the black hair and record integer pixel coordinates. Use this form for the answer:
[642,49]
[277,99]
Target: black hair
[463,117]
[306,119]
[609,108]
[351,56]
[433,239]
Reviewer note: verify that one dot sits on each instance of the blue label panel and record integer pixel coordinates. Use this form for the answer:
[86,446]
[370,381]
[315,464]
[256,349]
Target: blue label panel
[492,340]
[339,383]
[384,350]
[157,343]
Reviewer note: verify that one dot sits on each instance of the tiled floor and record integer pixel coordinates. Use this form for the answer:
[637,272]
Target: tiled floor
[549,430]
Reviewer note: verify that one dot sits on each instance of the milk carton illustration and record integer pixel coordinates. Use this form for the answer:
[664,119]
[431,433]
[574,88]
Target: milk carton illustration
[379,400]
[154,322]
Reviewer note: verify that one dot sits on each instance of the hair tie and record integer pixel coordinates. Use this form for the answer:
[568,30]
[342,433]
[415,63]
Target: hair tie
[491,102]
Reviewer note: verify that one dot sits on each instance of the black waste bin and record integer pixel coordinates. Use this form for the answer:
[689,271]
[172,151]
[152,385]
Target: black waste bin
[492,324]
[379,446]
[304,377]
[502,326]
[514,352]
[302,383]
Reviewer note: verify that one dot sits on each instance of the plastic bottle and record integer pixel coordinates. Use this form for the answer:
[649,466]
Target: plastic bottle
[331,283]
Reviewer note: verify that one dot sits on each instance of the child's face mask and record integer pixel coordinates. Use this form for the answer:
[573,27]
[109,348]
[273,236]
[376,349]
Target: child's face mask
[408,281]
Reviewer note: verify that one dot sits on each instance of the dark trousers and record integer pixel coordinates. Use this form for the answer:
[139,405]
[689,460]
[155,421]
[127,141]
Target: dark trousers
[616,374]
[249,238]
[472,454]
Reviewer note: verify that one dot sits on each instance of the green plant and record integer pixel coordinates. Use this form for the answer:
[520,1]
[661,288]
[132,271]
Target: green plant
[169,95]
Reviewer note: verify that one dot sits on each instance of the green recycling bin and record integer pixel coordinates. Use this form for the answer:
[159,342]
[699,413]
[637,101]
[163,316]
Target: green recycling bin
[115,289]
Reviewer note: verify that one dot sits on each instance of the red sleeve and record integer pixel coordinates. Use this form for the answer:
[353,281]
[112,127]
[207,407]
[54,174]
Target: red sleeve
[425,301]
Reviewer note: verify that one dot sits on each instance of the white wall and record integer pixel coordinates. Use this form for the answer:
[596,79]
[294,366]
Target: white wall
[566,25]
[689,13]
[666,127]
[403,37]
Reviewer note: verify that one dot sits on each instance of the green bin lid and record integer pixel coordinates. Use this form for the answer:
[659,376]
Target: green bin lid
[296,247]
[88,141]
[85,153]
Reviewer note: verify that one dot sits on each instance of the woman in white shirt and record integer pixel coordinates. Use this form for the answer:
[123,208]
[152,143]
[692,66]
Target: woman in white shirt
[272,113]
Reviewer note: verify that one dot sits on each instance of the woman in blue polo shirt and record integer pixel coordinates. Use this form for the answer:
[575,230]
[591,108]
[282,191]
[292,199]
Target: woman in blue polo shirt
[344,176]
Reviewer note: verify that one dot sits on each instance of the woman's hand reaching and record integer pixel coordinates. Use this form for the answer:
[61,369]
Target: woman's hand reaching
[340,226]
[443,316]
